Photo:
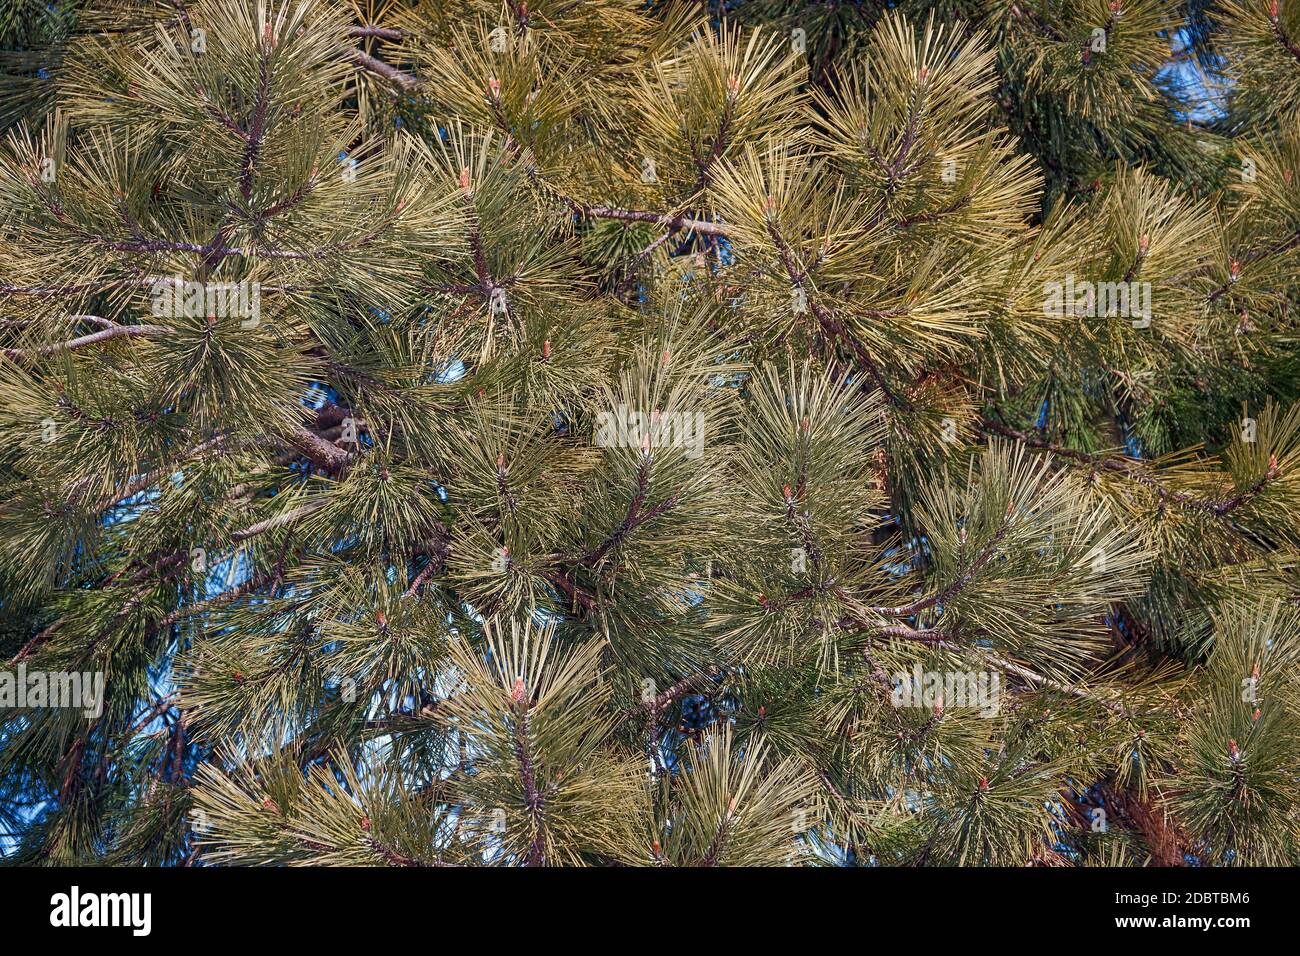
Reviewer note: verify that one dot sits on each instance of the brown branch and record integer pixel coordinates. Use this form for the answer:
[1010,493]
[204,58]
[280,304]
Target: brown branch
[437,561]
[382,33]
[1159,831]
[257,125]
[1280,32]
[1046,28]
[672,222]
[634,519]
[528,774]
[279,521]
[220,115]
[1282,245]
[1133,471]
[922,635]
[982,558]
[1040,681]
[393,858]
[719,841]
[321,452]
[112,332]
[377,66]
[575,594]
[827,318]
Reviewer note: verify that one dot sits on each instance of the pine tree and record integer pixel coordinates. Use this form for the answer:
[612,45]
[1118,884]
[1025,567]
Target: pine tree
[589,433]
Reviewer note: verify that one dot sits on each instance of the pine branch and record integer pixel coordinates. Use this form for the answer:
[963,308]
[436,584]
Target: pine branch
[1165,841]
[113,332]
[672,222]
[373,64]
[1282,37]
[635,516]
[826,317]
[533,798]
[322,453]
[383,33]
[982,558]
[1127,469]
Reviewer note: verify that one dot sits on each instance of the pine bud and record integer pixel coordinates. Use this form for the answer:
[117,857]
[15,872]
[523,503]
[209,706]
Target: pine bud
[921,74]
[381,619]
[1254,672]
[270,804]
[788,493]
[1233,752]
[762,599]
[501,461]
[1272,11]
[1114,6]
[546,350]
[495,86]
[656,848]
[464,179]
[762,712]
[1234,270]
[1255,715]
[365,824]
[1144,243]
[984,783]
[238,676]
[733,87]
[518,693]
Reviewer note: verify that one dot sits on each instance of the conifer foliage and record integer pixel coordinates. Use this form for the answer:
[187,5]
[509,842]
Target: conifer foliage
[587,433]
